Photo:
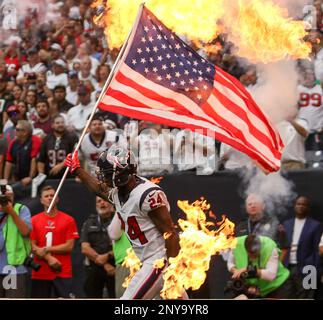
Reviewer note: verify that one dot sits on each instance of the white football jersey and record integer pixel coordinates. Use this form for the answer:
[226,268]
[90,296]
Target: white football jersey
[91,150]
[311,106]
[147,242]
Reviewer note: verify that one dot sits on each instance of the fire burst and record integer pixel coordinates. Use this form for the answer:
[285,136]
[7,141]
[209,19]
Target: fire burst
[197,244]
[133,263]
[260,29]
[156,180]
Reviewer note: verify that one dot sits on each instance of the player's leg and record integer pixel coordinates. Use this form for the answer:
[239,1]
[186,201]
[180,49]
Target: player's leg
[146,284]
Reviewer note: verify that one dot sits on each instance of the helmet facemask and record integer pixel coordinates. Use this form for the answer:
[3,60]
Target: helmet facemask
[115,171]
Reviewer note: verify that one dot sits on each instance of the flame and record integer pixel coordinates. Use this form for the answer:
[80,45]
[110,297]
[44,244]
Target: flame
[260,29]
[197,244]
[133,263]
[156,180]
[263,32]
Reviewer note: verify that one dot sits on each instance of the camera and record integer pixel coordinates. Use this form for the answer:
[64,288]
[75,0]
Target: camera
[240,286]
[3,198]
[30,263]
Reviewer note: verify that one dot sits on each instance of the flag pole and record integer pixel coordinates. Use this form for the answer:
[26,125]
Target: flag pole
[107,83]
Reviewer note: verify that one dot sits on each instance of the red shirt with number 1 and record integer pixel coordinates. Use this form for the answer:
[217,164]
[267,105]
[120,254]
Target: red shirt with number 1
[52,231]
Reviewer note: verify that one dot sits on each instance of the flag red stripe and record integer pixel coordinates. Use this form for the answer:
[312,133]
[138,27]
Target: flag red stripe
[125,98]
[120,77]
[242,114]
[252,106]
[228,127]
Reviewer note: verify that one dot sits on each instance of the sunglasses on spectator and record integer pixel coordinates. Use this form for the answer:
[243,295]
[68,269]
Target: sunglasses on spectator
[20,129]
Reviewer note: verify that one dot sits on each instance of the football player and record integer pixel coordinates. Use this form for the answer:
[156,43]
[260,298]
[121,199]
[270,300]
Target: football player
[143,209]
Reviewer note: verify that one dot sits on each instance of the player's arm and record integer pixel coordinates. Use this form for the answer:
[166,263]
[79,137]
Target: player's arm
[91,182]
[163,222]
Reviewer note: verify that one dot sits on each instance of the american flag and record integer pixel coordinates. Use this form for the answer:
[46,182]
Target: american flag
[161,79]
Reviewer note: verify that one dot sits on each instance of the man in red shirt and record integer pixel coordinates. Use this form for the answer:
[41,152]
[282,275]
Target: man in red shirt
[52,238]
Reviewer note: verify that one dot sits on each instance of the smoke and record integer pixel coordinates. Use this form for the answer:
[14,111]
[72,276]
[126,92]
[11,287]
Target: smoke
[276,90]
[294,7]
[276,190]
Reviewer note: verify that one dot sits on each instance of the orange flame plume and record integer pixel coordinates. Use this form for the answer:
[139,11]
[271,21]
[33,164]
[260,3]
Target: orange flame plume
[260,29]
[197,244]
[133,263]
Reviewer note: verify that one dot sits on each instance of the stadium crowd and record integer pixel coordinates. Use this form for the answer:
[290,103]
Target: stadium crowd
[51,73]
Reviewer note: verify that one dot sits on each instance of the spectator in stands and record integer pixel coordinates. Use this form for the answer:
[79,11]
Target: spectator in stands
[21,155]
[53,236]
[12,55]
[103,72]
[23,111]
[293,133]
[58,75]
[84,52]
[55,51]
[311,108]
[96,141]
[304,234]
[17,93]
[13,113]
[78,115]
[85,72]
[44,121]
[59,104]
[5,100]
[31,100]
[34,66]
[42,91]
[15,226]
[70,55]
[54,149]
[97,249]
[71,90]
[262,224]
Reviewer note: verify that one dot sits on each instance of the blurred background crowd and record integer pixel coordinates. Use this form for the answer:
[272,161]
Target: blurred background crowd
[52,72]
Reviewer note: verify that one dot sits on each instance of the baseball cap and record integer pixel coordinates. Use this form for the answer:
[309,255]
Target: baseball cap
[12,110]
[72,74]
[60,62]
[56,46]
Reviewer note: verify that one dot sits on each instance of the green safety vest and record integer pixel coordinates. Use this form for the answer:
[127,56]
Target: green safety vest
[241,261]
[18,248]
[120,249]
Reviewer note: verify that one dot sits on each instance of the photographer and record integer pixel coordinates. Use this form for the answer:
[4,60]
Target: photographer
[256,269]
[15,226]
